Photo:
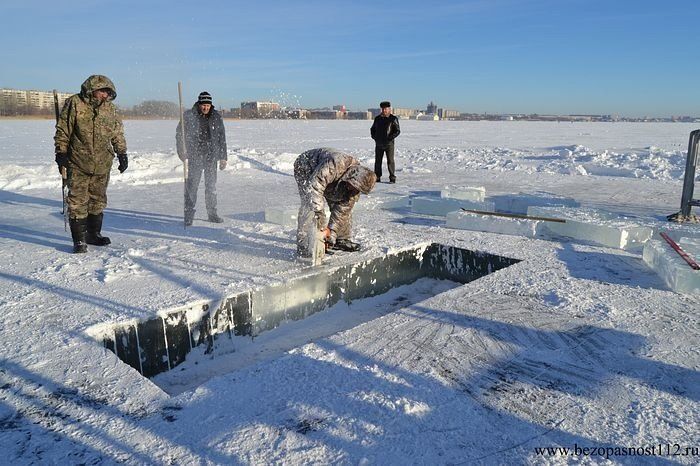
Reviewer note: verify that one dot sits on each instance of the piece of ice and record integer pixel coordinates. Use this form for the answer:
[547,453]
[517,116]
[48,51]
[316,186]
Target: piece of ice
[465,193]
[441,207]
[286,216]
[403,202]
[519,203]
[241,165]
[596,226]
[691,246]
[671,267]
[493,224]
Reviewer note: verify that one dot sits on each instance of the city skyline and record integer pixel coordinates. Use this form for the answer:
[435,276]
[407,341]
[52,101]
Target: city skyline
[500,56]
[23,102]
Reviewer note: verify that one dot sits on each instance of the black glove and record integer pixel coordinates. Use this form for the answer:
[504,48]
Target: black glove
[62,161]
[123,163]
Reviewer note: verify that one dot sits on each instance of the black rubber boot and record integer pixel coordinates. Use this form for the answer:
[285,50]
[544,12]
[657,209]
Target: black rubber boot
[346,245]
[214,218]
[189,218]
[94,227]
[78,230]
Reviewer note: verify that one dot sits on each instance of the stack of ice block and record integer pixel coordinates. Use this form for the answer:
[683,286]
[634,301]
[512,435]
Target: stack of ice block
[493,224]
[519,203]
[286,216]
[464,193]
[593,225]
[671,267]
[440,207]
[452,199]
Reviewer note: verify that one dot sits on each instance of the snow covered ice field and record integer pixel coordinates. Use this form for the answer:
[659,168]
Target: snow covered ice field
[576,345]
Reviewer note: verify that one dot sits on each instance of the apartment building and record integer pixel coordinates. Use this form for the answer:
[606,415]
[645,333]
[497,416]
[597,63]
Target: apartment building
[22,102]
[258,109]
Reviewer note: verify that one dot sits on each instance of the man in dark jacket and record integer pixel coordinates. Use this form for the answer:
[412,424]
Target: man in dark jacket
[338,178]
[89,132]
[384,130]
[204,148]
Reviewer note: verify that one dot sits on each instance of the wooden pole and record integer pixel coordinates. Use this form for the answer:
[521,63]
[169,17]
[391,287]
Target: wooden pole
[184,150]
[689,260]
[64,174]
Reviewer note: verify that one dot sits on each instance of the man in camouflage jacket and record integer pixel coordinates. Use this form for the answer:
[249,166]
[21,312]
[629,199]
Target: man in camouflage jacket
[339,179]
[89,133]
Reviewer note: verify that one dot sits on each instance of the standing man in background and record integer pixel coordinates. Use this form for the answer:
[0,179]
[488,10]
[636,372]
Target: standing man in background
[205,141]
[88,134]
[384,130]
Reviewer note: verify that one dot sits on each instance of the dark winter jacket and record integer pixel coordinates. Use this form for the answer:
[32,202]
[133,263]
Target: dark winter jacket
[385,129]
[205,136]
[90,131]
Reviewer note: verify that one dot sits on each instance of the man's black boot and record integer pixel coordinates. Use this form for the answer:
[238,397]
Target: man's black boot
[78,230]
[94,227]
[346,245]
[189,218]
[214,218]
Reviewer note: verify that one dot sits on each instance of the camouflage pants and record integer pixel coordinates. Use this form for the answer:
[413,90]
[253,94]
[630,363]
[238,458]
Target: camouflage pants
[306,216]
[87,194]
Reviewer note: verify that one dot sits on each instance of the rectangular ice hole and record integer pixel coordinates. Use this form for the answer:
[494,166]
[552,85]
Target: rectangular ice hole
[262,310]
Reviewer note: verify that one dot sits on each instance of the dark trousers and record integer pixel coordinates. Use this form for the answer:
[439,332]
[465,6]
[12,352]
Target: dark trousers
[194,175]
[379,152]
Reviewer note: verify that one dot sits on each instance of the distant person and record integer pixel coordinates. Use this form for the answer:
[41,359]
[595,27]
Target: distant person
[205,144]
[339,179]
[384,130]
[88,134]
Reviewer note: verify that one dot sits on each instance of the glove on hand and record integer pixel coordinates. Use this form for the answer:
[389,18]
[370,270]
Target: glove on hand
[330,237]
[123,163]
[62,161]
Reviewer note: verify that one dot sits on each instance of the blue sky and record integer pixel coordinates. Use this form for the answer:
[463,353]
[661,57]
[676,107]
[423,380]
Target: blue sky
[621,57]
